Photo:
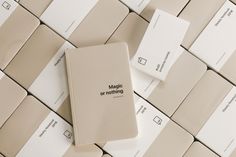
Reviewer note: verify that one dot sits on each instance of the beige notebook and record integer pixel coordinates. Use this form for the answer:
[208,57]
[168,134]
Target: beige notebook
[233,154]
[199,150]
[41,132]
[101,93]
[209,112]
[47,78]
[173,7]
[193,12]
[106,16]
[157,136]
[11,95]
[202,102]
[16,26]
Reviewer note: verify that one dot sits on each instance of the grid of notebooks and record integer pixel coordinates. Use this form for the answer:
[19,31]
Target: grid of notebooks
[117,78]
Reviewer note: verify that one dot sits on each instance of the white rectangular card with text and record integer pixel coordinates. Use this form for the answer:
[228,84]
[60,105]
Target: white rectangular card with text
[216,43]
[160,46]
[64,16]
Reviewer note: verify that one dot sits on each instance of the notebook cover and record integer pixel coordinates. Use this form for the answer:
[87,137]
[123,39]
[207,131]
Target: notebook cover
[12,142]
[11,95]
[13,39]
[173,138]
[101,93]
[198,150]
[202,102]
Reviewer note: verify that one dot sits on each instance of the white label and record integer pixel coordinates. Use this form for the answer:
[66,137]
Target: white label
[219,132]
[136,5]
[159,48]
[216,43]
[51,85]
[150,121]
[143,84]
[7,7]
[52,139]
[64,16]
[1,75]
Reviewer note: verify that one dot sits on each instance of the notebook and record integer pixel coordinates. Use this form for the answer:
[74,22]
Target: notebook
[197,150]
[43,134]
[101,93]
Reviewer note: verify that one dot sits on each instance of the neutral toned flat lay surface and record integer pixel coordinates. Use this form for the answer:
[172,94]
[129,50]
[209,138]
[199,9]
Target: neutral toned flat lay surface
[78,78]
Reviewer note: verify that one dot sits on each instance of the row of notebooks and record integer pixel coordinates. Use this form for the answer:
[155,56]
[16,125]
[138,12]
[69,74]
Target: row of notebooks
[84,33]
[82,29]
[33,128]
[9,122]
[206,113]
[35,65]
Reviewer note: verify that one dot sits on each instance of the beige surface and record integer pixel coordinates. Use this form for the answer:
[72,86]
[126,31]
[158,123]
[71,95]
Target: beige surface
[106,155]
[11,95]
[172,142]
[183,76]
[32,59]
[131,31]
[173,7]
[25,120]
[14,33]
[233,154]
[100,23]
[37,7]
[199,150]
[228,70]
[105,17]
[202,102]
[34,56]
[110,117]
[185,73]
[199,14]
[22,124]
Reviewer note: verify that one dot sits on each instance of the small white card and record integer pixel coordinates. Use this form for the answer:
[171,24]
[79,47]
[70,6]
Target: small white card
[52,139]
[7,7]
[216,43]
[136,5]
[159,48]
[64,16]
[142,83]
[150,121]
[51,85]
[219,132]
